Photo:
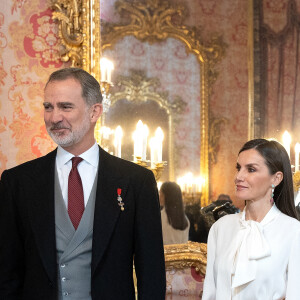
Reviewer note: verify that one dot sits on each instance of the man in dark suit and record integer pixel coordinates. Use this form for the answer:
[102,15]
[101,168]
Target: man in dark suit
[73,223]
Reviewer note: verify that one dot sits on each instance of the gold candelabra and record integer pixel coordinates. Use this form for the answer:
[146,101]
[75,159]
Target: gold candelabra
[157,167]
[190,198]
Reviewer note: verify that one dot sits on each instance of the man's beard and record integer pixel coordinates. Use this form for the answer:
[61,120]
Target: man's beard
[71,138]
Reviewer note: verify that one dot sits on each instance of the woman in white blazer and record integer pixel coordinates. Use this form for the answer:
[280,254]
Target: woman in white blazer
[256,254]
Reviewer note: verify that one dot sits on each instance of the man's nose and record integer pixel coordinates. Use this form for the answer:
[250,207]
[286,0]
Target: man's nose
[56,116]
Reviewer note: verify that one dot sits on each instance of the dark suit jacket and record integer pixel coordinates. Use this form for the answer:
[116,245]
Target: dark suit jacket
[28,267]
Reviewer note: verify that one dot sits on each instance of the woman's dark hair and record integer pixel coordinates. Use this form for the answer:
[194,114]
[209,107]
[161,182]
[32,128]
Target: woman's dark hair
[277,159]
[174,205]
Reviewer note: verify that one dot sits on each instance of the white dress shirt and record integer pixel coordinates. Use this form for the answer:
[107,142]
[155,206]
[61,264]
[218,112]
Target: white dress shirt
[87,170]
[247,260]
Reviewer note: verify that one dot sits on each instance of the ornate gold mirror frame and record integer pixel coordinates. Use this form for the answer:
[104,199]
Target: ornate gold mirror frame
[150,21]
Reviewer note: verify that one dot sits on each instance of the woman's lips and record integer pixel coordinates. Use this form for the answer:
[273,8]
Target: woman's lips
[240,187]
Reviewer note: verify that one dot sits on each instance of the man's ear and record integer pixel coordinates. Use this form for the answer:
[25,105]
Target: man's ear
[277,178]
[96,112]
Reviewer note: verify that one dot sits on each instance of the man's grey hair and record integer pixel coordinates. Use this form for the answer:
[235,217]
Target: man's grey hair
[91,91]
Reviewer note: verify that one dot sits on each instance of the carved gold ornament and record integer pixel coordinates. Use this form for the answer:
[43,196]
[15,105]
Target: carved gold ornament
[296,181]
[191,254]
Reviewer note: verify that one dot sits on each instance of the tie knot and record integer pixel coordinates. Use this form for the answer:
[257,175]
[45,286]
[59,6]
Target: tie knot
[75,161]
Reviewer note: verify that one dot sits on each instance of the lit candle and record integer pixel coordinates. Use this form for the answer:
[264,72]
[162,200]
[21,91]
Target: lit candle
[159,136]
[297,153]
[110,67]
[138,140]
[106,67]
[145,137]
[118,141]
[200,182]
[286,138]
[105,132]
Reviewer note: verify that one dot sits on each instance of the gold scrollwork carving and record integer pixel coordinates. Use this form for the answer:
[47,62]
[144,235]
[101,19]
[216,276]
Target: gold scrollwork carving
[296,181]
[68,14]
[191,254]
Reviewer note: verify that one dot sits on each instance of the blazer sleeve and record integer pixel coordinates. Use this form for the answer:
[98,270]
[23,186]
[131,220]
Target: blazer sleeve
[293,272]
[148,244]
[209,288]
[11,254]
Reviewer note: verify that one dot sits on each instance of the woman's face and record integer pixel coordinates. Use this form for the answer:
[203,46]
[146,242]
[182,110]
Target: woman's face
[253,180]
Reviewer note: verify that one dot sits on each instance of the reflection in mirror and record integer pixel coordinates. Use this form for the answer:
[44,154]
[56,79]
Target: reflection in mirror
[178,75]
[126,114]
[136,98]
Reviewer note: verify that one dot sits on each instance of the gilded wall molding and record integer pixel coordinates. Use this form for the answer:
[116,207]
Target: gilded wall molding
[69,16]
[190,254]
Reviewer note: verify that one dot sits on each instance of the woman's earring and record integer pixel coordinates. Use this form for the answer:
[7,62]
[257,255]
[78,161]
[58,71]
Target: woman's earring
[272,200]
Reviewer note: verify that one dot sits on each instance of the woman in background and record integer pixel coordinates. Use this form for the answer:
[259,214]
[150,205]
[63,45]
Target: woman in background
[256,254]
[175,224]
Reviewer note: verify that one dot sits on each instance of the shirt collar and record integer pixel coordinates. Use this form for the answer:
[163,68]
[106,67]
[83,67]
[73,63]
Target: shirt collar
[271,214]
[91,156]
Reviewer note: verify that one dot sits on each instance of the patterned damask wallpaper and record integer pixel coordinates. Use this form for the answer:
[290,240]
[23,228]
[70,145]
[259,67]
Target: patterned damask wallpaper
[28,54]
[29,48]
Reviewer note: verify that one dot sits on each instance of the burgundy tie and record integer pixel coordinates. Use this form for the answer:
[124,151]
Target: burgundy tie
[75,194]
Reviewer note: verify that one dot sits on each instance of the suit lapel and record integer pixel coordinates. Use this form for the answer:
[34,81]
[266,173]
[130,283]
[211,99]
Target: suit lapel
[41,181]
[107,209]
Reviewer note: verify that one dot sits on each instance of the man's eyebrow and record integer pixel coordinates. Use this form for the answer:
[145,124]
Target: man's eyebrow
[60,104]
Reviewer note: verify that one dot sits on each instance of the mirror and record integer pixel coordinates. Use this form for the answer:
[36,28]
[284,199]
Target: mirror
[149,23]
[136,97]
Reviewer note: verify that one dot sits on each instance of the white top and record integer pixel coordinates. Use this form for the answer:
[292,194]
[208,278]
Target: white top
[247,260]
[171,235]
[87,170]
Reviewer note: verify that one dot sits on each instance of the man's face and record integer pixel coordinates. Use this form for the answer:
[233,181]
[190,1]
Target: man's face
[66,115]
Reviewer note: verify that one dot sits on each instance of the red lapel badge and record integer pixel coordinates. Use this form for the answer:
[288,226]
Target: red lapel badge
[121,203]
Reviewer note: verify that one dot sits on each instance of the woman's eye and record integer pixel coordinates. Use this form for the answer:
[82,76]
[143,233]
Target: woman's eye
[251,170]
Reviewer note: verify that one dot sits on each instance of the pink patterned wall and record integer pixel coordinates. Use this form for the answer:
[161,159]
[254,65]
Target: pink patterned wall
[28,54]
